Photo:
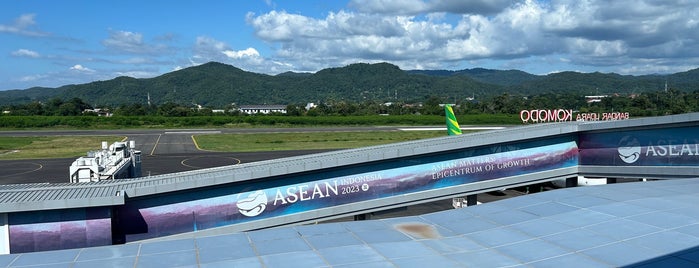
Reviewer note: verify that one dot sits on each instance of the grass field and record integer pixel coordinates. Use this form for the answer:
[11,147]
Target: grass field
[50,147]
[304,141]
[12,148]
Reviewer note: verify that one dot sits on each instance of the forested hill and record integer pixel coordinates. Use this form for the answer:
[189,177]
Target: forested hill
[217,85]
[497,77]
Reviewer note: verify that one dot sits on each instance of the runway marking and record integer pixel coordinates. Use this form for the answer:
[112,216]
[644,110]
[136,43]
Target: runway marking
[195,143]
[30,171]
[156,144]
[193,132]
[195,167]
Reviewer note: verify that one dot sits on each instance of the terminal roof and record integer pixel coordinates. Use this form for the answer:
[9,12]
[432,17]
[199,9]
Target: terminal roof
[644,224]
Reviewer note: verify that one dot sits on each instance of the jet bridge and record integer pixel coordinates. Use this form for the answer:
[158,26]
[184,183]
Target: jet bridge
[117,161]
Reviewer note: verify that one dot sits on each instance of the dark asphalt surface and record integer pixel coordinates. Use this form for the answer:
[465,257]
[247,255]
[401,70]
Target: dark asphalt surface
[163,151]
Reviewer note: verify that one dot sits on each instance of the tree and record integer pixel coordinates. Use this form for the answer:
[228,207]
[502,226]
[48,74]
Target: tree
[35,108]
[68,108]
[135,109]
[432,106]
[294,110]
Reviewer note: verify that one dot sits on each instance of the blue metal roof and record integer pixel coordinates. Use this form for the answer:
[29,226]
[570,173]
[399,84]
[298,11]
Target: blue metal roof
[653,223]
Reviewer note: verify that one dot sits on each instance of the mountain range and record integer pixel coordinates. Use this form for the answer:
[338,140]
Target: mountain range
[217,85]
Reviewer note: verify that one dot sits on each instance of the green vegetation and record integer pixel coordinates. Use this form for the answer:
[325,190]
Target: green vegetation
[218,85]
[55,147]
[499,110]
[307,141]
[50,147]
[228,121]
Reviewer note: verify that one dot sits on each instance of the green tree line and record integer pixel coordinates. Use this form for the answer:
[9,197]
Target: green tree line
[500,109]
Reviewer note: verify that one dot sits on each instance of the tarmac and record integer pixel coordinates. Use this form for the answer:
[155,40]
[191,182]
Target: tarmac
[164,151]
[170,151]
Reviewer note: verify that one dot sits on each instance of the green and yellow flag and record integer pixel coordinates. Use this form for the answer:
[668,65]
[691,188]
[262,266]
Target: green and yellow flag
[452,124]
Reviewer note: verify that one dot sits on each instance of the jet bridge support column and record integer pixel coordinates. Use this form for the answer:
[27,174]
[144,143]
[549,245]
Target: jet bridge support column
[471,200]
[362,217]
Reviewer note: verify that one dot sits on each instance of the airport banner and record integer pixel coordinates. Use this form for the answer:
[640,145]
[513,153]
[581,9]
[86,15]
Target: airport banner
[654,147]
[196,210]
[32,231]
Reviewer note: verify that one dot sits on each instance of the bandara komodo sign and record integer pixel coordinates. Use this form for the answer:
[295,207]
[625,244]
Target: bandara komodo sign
[563,115]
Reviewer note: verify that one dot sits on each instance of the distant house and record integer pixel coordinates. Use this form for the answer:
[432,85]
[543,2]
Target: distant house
[598,98]
[262,109]
[310,105]
[99,112]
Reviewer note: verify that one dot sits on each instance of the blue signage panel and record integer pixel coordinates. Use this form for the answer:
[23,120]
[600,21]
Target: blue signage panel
[656,147]
[281,196]
[59,229]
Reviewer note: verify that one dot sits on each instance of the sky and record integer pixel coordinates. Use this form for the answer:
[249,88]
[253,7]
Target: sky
[55,43]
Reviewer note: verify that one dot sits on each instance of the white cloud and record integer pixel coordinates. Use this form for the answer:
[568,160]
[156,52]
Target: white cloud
[136,60]
[132,43]
[25,20]
[351,37]
[484,7]
[249,52]
[138,73]
[282,26]
[124,41]
[417,7]
[209,49]
[81,68]
[598,48]
[32,78]
[389,6]
[417,33]
[26,53]
[23,25]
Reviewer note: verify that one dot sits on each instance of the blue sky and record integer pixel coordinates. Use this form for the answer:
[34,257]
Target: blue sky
[54,43]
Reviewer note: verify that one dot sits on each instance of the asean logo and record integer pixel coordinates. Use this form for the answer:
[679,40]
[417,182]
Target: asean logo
[629,149]
[254,204]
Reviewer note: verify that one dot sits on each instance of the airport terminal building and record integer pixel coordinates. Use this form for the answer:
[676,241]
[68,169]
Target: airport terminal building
[307,189]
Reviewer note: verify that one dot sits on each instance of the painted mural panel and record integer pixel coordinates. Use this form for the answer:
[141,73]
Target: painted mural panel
[59,229]
[190,211]
[655,147]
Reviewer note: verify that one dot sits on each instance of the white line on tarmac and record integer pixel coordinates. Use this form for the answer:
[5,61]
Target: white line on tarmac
[444,128]
[193,132]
